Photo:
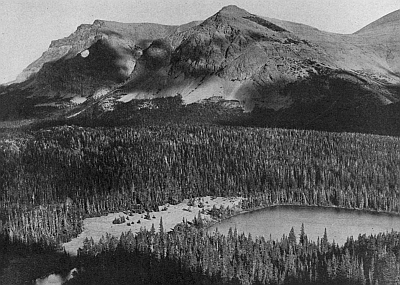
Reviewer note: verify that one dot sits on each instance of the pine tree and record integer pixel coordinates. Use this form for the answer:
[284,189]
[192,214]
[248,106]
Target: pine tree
[162,239]
[324,243]
[292,238]
[303,236]
[387,270]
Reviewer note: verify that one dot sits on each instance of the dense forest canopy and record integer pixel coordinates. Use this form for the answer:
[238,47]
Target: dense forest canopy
[110,169]
[192,256]
[51,179]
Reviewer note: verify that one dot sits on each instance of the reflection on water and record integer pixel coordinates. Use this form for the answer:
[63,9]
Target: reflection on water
[274,222]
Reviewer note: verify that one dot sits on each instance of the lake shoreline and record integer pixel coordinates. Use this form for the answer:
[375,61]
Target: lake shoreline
[369,211]
[210,221]
[214,222]
[277,220]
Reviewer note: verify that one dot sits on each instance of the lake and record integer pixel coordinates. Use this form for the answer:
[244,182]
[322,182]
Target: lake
[340,223]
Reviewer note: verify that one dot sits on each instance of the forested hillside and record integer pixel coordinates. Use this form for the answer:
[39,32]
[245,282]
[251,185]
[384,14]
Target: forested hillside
[53,178]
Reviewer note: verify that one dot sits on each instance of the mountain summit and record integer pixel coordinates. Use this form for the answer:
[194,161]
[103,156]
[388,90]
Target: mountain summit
[234,11]
[261,63]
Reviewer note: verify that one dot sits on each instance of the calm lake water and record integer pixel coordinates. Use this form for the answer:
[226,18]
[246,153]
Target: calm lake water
[339,223]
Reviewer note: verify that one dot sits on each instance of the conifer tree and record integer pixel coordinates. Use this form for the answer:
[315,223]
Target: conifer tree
[292,238]
[302,238]
[324,243]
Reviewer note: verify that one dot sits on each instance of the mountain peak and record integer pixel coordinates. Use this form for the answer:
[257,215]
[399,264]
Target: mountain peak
[228,14]
[233,10]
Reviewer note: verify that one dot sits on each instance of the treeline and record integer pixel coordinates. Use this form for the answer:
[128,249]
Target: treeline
[110,169]
[46,226]
[156,111]
[193,256]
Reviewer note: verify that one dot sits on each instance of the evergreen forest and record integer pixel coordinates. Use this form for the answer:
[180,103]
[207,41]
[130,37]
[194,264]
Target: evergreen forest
[52,178]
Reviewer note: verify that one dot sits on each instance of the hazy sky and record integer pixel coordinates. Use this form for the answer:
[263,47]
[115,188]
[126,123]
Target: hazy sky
[28,26]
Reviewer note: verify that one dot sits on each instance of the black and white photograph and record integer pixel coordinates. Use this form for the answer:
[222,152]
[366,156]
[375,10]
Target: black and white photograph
[182,142]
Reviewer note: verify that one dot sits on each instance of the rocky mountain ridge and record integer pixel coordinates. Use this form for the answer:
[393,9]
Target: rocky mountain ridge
[233,55]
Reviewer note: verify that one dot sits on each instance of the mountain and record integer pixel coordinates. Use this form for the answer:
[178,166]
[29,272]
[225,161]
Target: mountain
[385,25]
[281,72]
[382,37]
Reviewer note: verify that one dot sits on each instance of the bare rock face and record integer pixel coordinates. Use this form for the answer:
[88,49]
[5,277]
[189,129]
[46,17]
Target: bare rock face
[233,55]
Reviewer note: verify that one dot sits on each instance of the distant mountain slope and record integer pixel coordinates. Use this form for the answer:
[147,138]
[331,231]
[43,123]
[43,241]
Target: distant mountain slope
[386,24]
[372,51]
[383,36]
[262,63]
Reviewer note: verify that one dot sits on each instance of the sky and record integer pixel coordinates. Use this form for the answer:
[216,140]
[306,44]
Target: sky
[28,26]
